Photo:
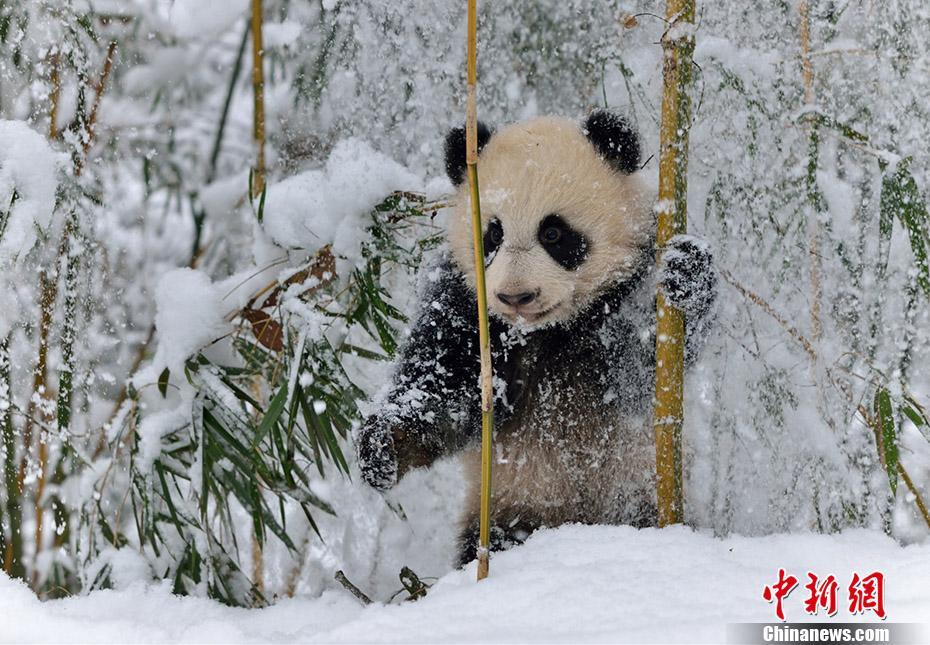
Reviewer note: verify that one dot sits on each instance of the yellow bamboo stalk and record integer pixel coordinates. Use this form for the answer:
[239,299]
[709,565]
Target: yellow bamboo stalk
[48,289]
[814,228]
[258,92]
[34,409]
[484,340]
[678,47]
[54,97]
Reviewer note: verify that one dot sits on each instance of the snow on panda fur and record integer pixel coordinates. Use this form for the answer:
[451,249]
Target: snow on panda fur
[571,278]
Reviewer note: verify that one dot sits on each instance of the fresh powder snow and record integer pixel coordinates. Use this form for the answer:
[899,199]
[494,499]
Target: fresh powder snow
[568,585]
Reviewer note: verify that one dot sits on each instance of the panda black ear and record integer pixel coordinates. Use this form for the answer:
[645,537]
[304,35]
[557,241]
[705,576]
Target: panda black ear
[614,139]
[455,151]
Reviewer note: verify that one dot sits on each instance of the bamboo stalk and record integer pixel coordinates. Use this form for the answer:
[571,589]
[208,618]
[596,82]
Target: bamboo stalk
[258,89]
[258,564]
[484,341]
[54,97]
[678,47]
[48,288]
[813,148]
[13,549]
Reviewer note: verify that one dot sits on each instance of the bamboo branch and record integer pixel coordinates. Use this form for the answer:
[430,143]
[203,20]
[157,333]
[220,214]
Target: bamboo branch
[224,115]
[668,415]
[484,342]
[875,425]
[921,506]
[91,125]
[767,308]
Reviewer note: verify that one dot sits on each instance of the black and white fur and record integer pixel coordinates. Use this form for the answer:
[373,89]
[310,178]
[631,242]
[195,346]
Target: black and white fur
[571,279]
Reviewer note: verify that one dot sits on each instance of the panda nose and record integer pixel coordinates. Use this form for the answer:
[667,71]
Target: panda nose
[517,299]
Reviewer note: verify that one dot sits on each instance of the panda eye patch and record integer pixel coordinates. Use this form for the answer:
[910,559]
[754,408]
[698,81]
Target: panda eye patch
[493,238]
[564,244]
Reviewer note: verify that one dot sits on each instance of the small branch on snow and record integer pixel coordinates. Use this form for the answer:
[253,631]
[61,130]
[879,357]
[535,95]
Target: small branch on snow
[351,588]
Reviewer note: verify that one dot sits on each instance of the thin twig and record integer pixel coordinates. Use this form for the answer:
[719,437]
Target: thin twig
[767,308]
[351,588]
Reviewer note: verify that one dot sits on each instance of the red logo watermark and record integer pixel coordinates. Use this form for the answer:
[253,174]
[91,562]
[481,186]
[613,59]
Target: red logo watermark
[864,593]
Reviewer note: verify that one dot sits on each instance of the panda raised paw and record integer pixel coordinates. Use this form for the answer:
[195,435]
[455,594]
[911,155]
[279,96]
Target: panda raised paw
[377,458]
[688,276]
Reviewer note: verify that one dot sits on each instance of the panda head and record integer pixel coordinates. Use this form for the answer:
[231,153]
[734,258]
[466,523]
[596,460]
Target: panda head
[565,213]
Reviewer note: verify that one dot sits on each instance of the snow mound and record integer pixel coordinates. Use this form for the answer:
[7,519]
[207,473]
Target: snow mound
[573,584]
[331,205]
[189,316]
[28,181]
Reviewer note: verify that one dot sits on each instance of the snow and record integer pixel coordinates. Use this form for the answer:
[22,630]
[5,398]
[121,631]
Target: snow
[28,166]
[205,18]
[167,66]
[770,440]
[151,430]
[189,316]
[331,205]
[280,34]
[572,584]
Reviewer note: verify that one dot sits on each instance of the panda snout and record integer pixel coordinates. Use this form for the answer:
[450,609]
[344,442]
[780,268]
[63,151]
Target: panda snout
[517,299]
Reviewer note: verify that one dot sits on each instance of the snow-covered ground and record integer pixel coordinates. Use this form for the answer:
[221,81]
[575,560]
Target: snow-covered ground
[573,584]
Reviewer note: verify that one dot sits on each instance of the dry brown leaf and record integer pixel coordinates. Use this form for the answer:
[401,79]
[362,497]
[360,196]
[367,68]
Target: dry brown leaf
[323,268]
[267,330]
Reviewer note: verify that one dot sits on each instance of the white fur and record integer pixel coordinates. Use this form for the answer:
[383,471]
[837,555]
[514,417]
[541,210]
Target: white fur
[532,169]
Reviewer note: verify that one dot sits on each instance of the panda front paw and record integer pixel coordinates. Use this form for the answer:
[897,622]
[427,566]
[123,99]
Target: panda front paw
[687,275]
[377,458]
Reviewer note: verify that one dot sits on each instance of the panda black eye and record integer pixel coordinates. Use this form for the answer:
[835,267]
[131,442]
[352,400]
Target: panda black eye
[493,237]
[563,243]
[551,234]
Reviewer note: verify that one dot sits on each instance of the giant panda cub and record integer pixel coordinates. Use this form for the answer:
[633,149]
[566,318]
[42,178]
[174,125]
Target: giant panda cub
[569,253]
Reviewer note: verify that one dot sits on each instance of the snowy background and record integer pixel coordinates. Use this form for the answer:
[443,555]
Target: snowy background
[181,366]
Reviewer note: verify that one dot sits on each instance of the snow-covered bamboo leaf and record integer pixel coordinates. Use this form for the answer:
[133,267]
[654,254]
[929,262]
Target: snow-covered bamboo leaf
[901,200]
[888,435]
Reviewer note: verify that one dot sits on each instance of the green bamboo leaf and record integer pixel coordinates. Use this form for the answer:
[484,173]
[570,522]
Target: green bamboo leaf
[889,437]
[915,418]
[309,429]
[364,353]
[261,204]
[163,382]
[834,124]
[900,199]
[272,414]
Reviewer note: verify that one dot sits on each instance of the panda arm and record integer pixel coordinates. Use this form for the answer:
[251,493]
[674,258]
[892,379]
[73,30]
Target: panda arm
[433,384]
[689,281]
